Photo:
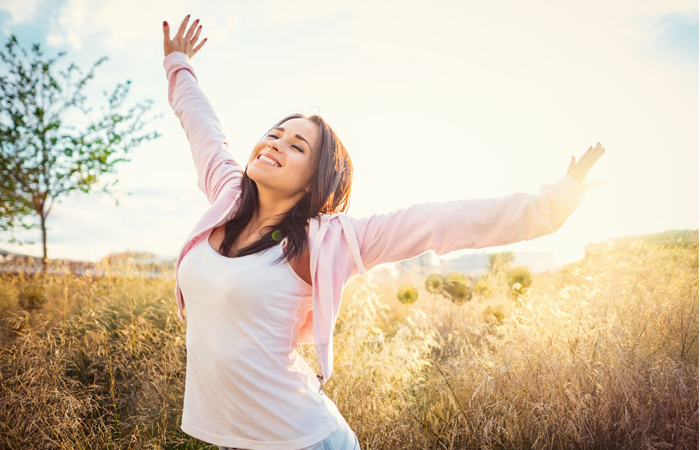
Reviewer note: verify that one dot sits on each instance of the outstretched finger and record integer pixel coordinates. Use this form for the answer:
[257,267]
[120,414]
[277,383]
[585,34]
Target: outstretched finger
[166,32]
[598,151]
[190,32]
[196,49]
[195,38]
[586,155]
[183,26]
[585,160]
[595,157]
[592,156]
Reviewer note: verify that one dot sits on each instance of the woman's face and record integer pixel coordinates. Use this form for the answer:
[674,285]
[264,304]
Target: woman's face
[283,161]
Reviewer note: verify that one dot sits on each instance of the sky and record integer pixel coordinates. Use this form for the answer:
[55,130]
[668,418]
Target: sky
[434,101]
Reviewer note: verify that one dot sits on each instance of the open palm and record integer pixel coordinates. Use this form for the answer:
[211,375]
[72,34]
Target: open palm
[579,170]
[185,42]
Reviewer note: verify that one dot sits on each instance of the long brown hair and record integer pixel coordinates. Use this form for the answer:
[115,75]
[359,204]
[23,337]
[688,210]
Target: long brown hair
[329,193]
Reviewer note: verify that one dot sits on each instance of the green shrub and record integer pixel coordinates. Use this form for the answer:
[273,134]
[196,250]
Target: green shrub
[407,294]
[434,283]
[519,281]
[31,297]
[483,288]
[456,287]
[494,313]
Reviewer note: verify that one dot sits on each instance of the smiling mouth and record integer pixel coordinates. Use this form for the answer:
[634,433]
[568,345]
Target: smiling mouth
[270,161]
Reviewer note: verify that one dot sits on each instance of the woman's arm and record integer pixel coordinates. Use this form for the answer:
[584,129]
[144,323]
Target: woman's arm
[476,223]
[216,168]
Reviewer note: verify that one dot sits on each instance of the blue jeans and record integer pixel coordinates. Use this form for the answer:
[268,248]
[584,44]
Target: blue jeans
[342,439]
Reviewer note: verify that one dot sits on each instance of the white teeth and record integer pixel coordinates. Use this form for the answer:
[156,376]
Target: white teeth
[269,160]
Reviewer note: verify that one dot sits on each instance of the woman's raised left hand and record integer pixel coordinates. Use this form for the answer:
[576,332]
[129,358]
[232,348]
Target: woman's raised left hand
[579,170]
[185,42]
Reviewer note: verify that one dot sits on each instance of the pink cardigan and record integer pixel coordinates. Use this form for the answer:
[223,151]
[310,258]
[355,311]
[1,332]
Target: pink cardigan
[341,246]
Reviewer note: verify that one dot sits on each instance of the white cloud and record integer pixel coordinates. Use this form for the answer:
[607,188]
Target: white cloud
[232,21]
[20,10]
[54,39]
[216,33]
[302,11]
[133,25]
[71,25]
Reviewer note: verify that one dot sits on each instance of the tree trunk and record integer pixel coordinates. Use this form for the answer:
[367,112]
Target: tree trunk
[43,238]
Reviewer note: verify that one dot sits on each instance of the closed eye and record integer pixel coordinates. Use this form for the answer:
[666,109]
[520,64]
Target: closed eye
[274,136]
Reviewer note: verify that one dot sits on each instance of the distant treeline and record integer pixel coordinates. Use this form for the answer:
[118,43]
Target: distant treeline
[669,237]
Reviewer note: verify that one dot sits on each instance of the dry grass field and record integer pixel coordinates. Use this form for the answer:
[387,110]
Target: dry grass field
[601,354]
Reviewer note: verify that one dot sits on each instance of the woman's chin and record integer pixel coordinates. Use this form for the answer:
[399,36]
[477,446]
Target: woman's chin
[254,174]
[260,180]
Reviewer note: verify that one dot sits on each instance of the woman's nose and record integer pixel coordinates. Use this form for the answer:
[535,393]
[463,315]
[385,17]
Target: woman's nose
[273,144]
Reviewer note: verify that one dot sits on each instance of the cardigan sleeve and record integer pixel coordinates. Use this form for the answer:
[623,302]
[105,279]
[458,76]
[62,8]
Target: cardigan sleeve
[216,168]
[475,223]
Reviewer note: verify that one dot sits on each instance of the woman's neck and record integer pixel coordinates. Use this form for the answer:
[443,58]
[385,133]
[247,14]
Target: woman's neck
[271,210]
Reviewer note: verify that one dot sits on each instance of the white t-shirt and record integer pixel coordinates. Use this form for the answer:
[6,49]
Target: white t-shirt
[246,385]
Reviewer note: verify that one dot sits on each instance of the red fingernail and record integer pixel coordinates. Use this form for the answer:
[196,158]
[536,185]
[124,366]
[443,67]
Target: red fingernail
[165,24]
[188,16]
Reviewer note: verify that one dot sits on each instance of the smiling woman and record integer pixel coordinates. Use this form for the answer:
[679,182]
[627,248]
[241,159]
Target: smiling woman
[285,252]
[299,170]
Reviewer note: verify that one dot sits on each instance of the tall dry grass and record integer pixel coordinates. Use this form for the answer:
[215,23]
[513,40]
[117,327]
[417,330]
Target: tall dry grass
[600,354]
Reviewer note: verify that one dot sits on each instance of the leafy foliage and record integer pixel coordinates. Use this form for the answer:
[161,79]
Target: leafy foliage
[44,154]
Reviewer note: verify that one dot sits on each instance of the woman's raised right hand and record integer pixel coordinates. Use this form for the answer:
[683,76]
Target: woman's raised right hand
[183,42]
[579,170]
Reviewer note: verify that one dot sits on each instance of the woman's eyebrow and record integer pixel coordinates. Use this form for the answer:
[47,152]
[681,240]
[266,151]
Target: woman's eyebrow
[296,136]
